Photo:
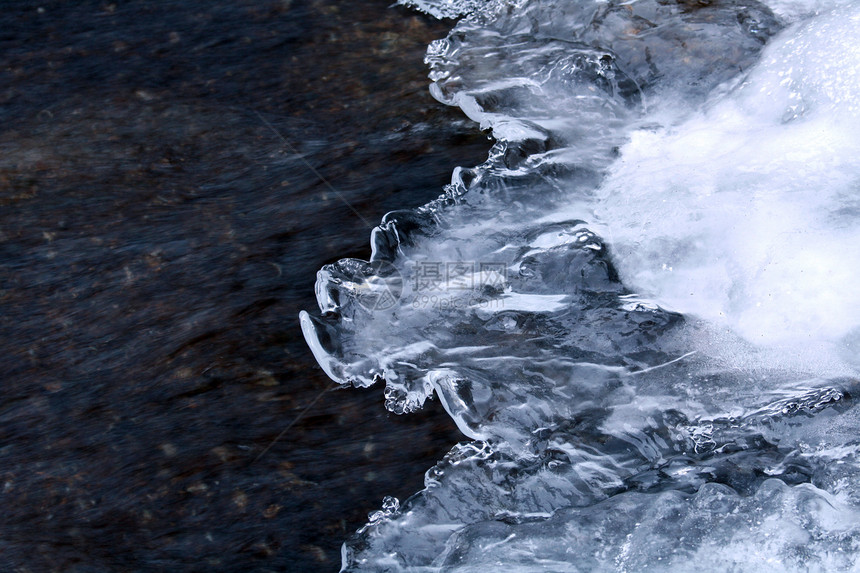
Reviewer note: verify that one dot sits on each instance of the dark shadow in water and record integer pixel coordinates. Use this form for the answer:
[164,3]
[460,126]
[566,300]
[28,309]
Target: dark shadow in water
[157,241]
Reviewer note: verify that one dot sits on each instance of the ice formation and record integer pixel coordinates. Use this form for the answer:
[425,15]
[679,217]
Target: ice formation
[640,310]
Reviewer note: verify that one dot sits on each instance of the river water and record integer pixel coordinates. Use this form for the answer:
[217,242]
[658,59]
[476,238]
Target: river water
[640,311]
[160,226]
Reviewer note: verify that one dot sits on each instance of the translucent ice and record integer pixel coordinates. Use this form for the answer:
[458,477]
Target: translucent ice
[640,309]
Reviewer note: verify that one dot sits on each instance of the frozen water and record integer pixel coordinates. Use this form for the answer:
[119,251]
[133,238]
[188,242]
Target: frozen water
[640,309]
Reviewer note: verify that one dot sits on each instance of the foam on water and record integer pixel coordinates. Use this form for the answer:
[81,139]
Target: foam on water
[640,309]
[747,213]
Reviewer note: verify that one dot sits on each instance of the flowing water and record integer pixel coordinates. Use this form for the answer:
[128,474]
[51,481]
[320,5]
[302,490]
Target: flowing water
[161,219]
[640,311]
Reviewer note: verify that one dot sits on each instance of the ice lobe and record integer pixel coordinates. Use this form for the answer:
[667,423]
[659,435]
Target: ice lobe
[642,488]
[746,214]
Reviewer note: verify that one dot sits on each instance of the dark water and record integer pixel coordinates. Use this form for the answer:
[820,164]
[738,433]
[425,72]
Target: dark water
[157,240]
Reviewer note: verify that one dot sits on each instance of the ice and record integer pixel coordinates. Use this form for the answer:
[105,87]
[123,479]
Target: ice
[640,310]
[454,8]
[715,529]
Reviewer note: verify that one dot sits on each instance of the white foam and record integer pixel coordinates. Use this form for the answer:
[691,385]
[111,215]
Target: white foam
[746,214]
[795,9]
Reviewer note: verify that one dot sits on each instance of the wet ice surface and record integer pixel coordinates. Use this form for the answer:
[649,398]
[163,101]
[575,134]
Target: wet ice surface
[640,310]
